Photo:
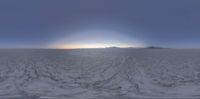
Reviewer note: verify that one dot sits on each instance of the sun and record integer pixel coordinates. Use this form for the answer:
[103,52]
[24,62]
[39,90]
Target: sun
[94,45]
[96,39]
[72,46]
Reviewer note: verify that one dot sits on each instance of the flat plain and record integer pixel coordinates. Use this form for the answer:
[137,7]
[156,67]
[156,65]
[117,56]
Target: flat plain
[110,73]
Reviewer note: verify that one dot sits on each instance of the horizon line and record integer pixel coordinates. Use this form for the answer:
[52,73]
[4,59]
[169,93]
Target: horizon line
[114,47]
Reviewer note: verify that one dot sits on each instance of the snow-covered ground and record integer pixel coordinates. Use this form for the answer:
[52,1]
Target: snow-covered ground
[111,73]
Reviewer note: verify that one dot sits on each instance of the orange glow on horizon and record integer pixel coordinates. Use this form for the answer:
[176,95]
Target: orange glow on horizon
[77,46]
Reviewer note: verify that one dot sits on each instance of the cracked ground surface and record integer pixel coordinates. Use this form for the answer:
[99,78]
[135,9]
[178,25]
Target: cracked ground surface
[99,73]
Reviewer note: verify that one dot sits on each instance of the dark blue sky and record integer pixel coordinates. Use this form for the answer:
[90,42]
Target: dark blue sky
[83,23]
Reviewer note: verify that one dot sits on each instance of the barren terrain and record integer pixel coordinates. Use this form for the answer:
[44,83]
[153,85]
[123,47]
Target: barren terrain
[111,73]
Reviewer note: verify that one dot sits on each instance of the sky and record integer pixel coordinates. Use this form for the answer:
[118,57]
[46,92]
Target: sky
[99,23]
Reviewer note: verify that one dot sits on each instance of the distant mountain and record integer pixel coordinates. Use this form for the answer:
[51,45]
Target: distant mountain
[149,47]
[154,47]
[113,47]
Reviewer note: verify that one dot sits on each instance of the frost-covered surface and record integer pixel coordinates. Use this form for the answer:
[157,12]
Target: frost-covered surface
[99,73]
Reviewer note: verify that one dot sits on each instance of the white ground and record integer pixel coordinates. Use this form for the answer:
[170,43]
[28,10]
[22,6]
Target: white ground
[99,73]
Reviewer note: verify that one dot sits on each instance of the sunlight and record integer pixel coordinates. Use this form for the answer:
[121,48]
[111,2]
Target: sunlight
[96,39]
[97,45]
